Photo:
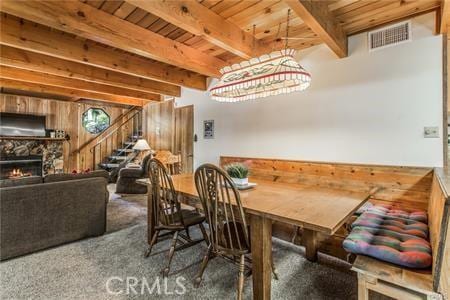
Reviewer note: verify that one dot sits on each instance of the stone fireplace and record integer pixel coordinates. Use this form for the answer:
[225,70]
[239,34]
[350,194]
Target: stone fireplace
[30,157]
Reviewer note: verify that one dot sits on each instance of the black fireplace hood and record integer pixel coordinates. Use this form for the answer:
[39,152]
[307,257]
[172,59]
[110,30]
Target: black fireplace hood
[22,125]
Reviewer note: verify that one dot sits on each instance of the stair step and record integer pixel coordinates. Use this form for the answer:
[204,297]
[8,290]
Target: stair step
[128,150]
[109,165]
[117,157]
[136,137]
[130,143]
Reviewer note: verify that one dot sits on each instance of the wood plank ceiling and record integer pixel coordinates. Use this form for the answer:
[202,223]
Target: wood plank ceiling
[133,51]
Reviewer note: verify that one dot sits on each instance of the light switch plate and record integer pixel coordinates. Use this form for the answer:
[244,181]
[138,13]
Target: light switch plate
[431,132]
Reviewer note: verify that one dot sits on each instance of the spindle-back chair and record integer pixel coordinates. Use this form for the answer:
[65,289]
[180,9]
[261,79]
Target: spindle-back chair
[229,233]
[168,213]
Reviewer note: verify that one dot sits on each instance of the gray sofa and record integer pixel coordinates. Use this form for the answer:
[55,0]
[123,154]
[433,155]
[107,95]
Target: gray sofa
[44,212]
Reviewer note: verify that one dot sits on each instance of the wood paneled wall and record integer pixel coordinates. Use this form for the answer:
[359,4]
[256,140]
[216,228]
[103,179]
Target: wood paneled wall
[63,115]
[158,125]
[407,187]
[167,127]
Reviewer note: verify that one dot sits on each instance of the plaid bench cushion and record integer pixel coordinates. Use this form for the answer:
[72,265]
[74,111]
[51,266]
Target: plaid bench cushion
[401,225]
[391,246]
[389,210]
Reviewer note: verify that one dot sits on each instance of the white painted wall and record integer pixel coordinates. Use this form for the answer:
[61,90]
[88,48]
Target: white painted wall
[367,108]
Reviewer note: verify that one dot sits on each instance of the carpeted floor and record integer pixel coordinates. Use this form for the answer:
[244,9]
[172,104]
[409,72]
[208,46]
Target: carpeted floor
[100,268]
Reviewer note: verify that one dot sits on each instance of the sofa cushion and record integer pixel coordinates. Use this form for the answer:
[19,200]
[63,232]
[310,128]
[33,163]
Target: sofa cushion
[394,247]
[67,176]
[20,181]
[406,226]
[131,172]
[389,210]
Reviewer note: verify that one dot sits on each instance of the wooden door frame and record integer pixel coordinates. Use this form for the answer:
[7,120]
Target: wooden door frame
[175,130]
[445,95]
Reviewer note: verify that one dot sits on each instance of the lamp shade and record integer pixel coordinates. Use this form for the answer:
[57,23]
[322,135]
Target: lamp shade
[141,145]
[268,75]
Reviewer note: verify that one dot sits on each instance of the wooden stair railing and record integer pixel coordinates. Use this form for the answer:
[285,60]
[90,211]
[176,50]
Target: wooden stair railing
[84,148]
[128,131]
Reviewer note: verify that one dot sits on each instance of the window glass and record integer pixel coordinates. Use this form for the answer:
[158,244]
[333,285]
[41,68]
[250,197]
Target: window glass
[95,120]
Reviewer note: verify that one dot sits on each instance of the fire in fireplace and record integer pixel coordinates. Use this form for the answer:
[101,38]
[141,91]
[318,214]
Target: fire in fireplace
[20,166]
[16,173]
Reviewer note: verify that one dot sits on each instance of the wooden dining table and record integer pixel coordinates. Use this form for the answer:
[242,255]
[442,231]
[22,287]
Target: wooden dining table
[315,209]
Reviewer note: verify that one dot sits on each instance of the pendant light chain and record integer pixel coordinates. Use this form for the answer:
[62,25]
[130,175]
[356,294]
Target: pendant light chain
[254,37]
[287,30]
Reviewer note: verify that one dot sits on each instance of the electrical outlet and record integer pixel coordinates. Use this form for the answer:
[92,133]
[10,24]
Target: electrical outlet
[431,132]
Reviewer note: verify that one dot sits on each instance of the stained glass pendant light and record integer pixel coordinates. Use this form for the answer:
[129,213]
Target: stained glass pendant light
[268,75]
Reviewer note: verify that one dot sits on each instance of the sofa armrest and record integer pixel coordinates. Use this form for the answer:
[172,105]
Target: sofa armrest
[131,172]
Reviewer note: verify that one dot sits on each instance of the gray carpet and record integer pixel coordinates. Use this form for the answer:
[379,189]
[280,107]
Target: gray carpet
[81,270]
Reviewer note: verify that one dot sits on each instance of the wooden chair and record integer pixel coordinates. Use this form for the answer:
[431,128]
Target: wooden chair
[229,234]
[171,161]
[169,215]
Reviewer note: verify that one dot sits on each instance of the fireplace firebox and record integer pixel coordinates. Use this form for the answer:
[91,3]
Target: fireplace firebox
[20,166]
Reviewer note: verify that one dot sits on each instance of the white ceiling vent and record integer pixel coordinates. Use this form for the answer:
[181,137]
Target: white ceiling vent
[390,36]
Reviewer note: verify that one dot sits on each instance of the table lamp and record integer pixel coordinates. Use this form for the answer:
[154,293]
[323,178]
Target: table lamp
[141,146]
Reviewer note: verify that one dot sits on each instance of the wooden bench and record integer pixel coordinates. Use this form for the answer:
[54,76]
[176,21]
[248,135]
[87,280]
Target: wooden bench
[407,187]
[401,187]
[401,283]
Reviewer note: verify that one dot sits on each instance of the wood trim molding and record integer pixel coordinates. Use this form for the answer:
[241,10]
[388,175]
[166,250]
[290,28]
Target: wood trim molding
[445,16]
[37,38]
[316,15]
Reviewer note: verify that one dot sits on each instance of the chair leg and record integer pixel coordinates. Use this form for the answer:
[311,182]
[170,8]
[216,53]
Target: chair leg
[187,232]
[241,277]
[205,235]
[199,277]
[294,234]
[171,253]
[152,243]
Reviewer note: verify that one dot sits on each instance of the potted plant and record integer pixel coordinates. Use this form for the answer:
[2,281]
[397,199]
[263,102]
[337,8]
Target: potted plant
[238,173]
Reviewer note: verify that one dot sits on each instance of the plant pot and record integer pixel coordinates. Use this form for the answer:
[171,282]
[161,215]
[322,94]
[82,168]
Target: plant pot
[240,181]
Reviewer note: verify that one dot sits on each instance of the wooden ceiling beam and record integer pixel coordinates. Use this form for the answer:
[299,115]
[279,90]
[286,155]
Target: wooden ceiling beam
[72,83]
[76,94]
[201,21]
[40,39]
[31,61]
[445,15]
[86,21]
[316,15]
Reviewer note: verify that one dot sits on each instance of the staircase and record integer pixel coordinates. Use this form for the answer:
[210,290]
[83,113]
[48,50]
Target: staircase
[120,155]
[113,146]
[116,146]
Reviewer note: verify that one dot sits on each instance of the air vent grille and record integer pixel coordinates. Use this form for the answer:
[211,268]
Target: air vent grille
[390,36]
